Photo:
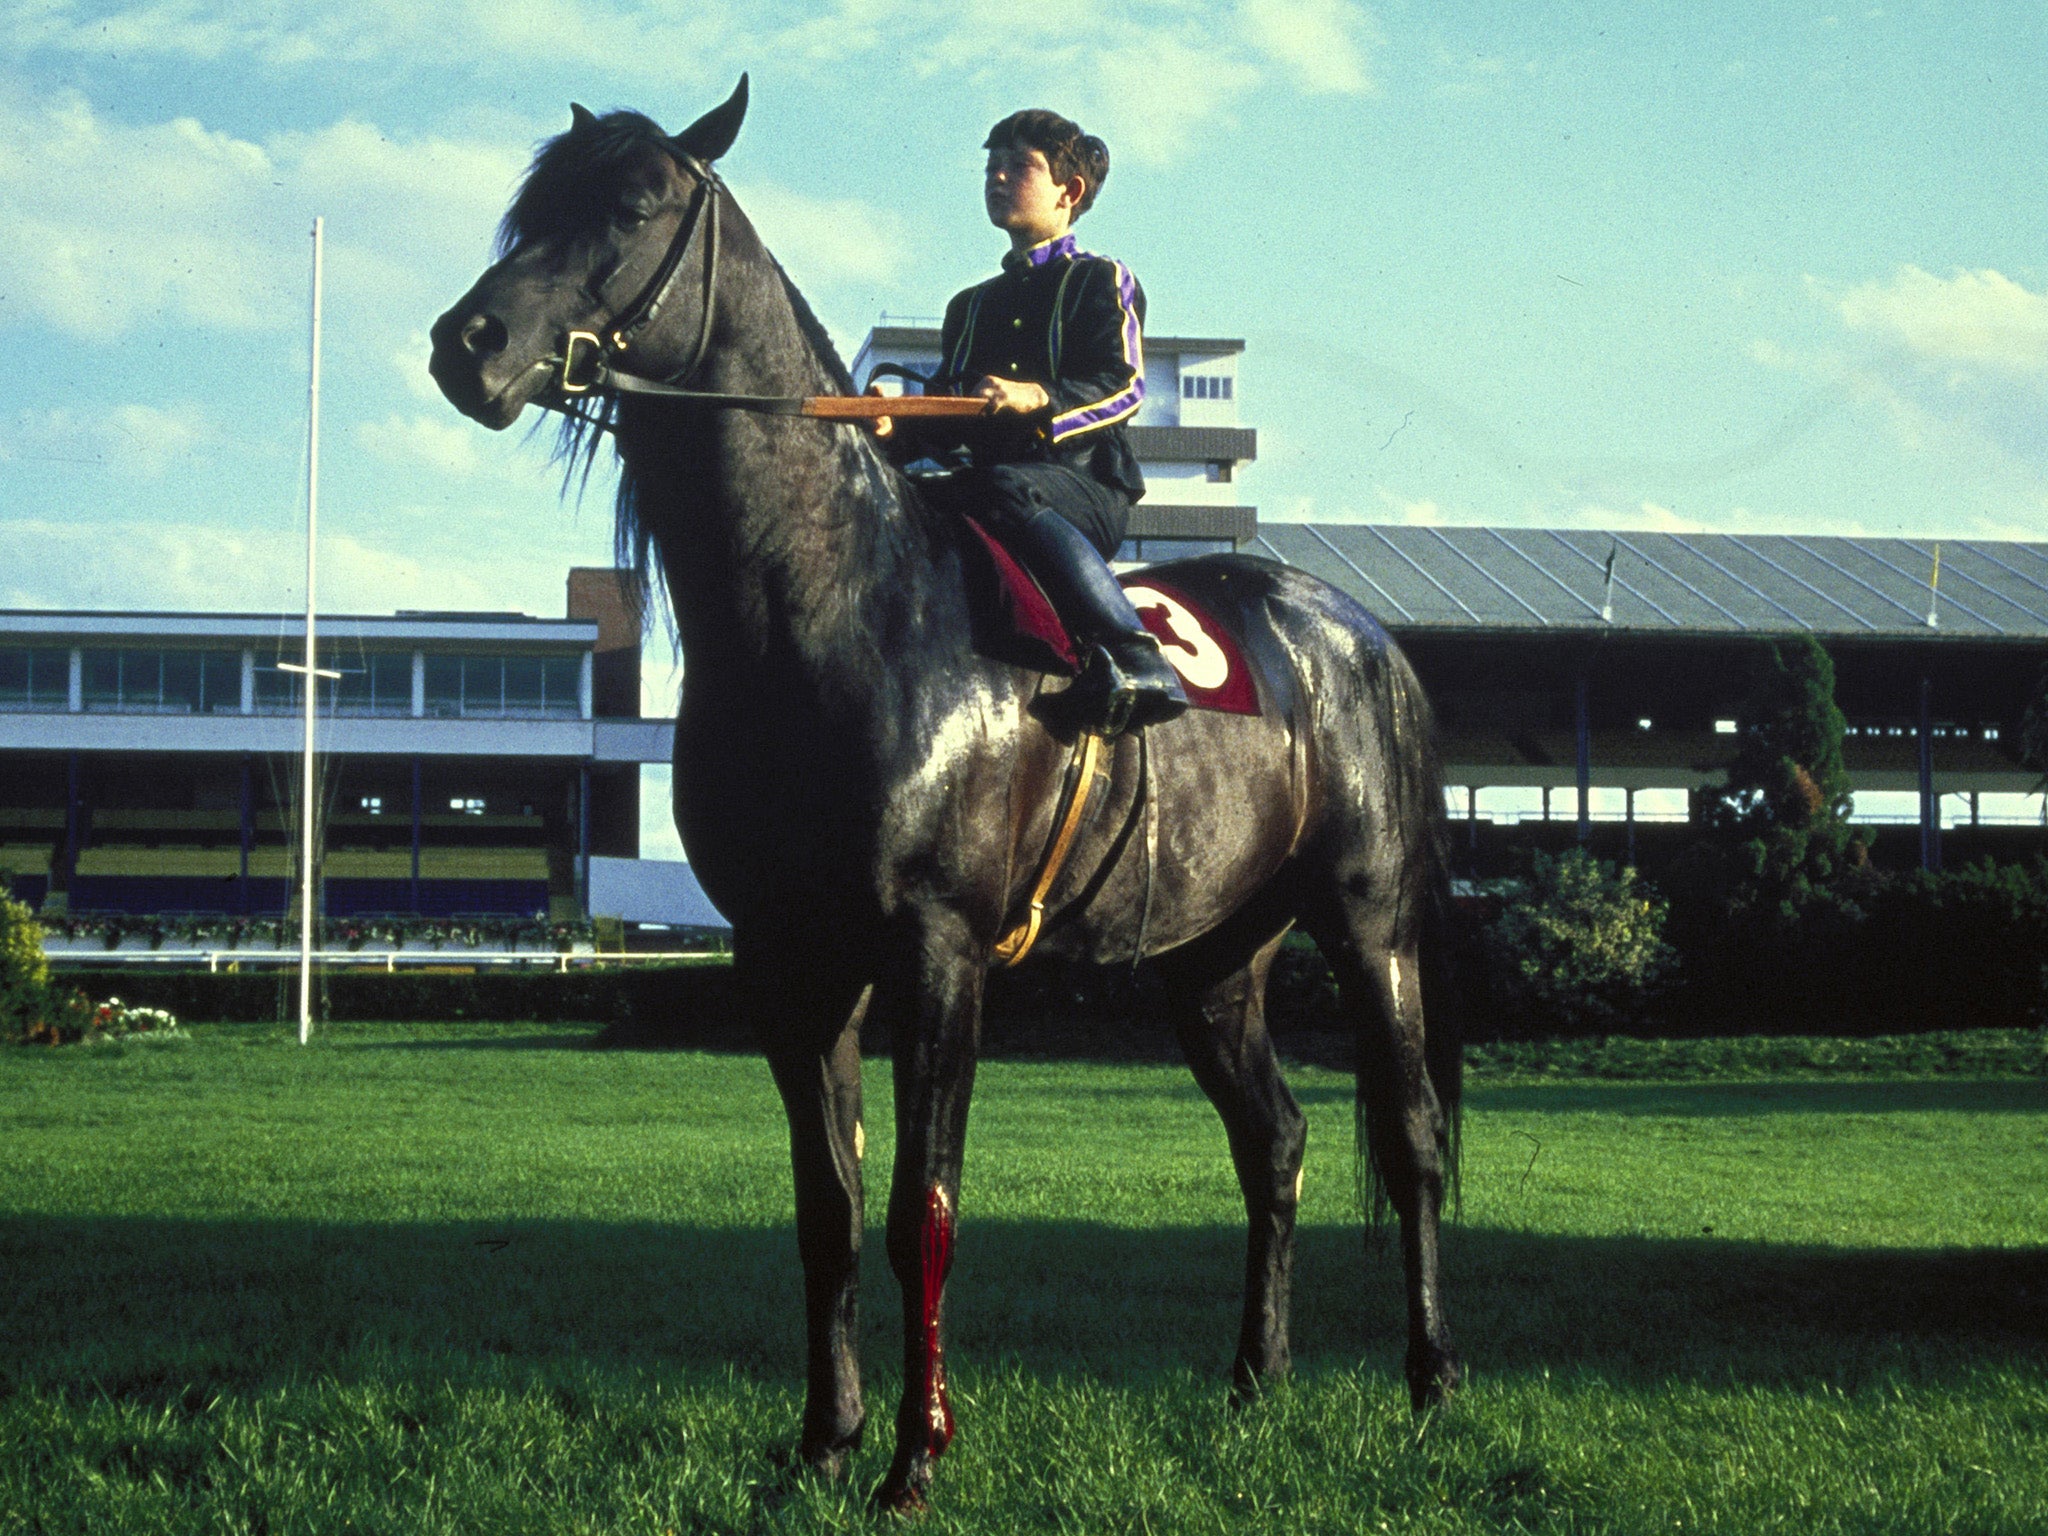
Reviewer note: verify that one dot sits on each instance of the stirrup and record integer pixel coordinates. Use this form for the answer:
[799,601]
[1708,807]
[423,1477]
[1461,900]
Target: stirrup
[1111,699]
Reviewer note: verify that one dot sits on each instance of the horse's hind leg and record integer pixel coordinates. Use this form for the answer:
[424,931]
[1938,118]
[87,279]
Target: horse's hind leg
[1405,1125]
[1221,1022]
[811,1033]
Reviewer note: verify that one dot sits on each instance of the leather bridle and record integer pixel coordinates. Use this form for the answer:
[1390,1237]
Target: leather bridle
[646,306]
[601,374]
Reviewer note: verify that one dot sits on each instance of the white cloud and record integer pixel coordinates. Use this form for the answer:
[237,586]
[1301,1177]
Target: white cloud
[211,230]
[1978,318]
[1419,512]
[825,240]
[577,32]
[1144,75]
[1322,43]
[61,563]
[447,445]
[139,442]
[1150,94]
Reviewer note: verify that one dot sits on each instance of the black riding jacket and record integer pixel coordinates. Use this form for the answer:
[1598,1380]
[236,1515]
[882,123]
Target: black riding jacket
[1074,323]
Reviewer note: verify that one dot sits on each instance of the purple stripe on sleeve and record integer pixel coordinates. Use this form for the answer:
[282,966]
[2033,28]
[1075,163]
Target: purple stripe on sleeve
[1125,401]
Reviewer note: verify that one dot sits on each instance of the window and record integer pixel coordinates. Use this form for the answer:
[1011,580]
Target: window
[164,682]
[1220,471]
[379,683]
[371,805]
[444,686]
[467,807]
[278,692]
[500,686]
[1143,551]
[1203,386]
[36,678]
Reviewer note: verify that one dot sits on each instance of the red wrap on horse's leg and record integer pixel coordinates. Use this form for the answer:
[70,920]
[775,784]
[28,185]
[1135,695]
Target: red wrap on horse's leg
[935,1246]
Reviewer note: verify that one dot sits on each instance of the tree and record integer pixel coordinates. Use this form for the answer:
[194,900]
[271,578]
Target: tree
[24,973]
[1578,948]
[1783,815]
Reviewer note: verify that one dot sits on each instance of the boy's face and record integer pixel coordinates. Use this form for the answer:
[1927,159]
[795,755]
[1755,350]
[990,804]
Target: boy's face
[1022,197]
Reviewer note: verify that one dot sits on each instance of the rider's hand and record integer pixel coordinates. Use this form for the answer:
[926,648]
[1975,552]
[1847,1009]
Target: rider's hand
[1013,395]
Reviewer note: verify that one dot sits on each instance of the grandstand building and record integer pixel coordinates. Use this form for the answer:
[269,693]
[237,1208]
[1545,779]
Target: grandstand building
[473,763]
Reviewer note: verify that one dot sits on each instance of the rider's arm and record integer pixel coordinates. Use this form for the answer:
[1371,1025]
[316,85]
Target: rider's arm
[1101,349]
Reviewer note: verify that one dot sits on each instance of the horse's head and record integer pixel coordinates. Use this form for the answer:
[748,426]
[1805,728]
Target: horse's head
[603,241]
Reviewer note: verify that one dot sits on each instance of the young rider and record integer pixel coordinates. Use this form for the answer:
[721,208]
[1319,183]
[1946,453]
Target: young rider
[1055,341]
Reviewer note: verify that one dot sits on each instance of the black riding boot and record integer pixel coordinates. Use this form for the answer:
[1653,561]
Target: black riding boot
[1126,682]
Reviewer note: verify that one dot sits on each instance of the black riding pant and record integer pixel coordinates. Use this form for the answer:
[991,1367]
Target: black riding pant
[1003,496]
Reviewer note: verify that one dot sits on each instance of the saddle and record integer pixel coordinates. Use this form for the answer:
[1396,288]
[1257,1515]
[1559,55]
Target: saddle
[1016,622]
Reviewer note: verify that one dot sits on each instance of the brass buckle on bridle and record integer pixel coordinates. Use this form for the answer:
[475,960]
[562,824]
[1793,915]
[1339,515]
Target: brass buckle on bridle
[567,383]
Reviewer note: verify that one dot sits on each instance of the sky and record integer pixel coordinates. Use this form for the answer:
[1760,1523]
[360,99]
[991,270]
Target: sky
[1779,267]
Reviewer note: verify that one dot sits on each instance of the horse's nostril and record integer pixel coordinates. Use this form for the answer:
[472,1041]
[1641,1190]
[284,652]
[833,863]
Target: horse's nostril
[483,336]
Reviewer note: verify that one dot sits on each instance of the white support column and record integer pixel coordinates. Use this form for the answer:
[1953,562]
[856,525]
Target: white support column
[75,702]
[248,682]
[585,685]
[419,684]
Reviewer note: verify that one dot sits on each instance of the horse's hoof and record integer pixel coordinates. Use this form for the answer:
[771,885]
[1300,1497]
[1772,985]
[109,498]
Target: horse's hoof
[1433,1375]
[829,1459]
[903,1494]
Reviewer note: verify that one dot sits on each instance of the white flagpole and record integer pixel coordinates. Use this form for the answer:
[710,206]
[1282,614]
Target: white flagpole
[312,664]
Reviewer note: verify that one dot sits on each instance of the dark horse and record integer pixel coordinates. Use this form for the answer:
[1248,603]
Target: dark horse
[866,795]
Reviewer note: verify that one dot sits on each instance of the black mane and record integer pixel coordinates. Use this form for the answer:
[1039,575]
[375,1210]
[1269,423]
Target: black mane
[572,183]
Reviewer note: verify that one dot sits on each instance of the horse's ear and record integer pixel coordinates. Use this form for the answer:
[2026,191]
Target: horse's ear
[712,134]
[580,116]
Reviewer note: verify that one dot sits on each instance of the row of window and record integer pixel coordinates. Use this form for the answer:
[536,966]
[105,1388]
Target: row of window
[1509,804]
[1205,386]
[187,682]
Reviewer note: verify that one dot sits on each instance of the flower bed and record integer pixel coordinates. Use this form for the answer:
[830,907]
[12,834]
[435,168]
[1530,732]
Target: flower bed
[74,1018]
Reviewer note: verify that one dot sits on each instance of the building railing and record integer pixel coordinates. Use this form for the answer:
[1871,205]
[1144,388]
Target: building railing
[387,960]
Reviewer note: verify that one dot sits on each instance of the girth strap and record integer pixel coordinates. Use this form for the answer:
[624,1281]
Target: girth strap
[1074,794]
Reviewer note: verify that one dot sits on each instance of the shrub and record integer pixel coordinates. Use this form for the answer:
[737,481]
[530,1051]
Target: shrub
[1578,948]
[24,973]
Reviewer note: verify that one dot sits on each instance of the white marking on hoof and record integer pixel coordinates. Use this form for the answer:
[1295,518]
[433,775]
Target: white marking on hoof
[1297,1182]
[860,1141]
[1394,976]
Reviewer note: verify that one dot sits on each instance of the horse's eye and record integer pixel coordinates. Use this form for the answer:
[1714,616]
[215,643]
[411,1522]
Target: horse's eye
[631,215]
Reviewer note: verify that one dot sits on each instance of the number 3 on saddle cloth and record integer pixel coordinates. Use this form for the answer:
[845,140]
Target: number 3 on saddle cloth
[1015,622]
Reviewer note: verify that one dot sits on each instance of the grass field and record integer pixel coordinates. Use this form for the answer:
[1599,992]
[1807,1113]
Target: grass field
[471,1279]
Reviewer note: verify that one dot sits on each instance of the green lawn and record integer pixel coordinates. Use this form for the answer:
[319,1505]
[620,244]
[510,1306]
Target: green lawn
[467,1278]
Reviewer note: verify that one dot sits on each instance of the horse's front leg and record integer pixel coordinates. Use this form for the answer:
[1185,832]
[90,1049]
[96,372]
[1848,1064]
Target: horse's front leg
[809,1026]
[935,1011]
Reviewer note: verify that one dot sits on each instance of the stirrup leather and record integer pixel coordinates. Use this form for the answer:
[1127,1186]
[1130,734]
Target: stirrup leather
[1016,944]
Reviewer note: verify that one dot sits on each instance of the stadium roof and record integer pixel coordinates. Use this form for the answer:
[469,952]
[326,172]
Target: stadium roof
[1547,580]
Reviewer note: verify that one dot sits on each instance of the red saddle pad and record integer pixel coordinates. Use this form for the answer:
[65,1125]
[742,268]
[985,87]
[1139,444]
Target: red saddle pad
[1020,625]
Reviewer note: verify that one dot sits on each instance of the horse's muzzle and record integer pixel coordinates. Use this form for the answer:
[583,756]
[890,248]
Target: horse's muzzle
[470,365]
